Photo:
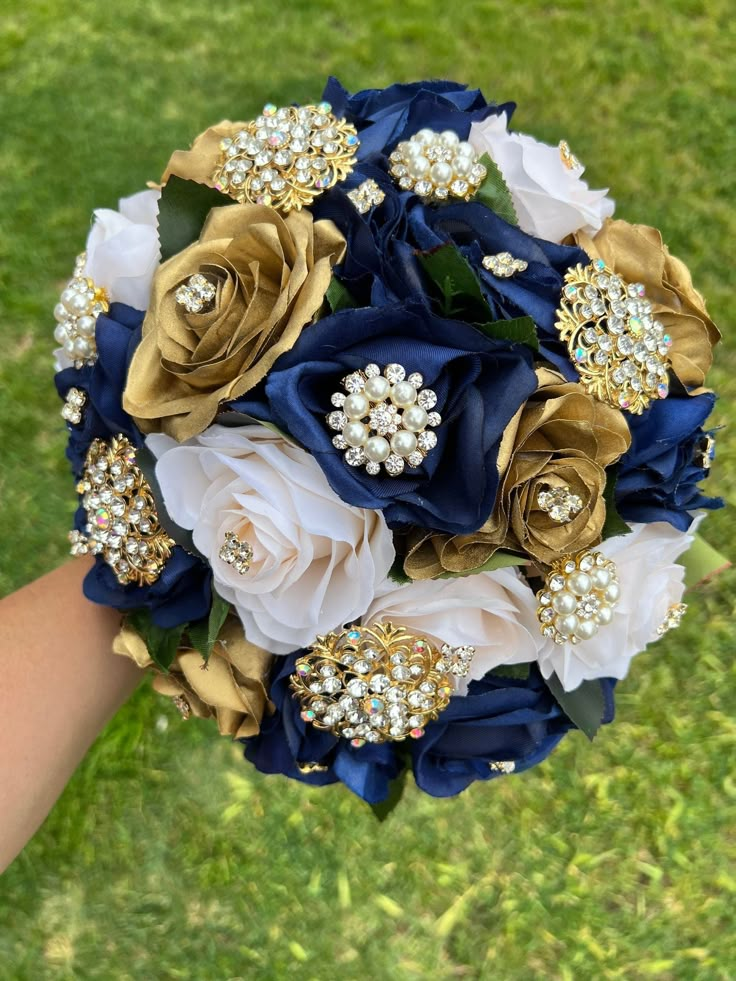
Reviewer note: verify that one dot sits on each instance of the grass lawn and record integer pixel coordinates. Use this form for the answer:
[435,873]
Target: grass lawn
[167,857]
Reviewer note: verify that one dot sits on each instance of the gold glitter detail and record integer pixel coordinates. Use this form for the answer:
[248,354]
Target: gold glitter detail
[616,345]
[286,157]
[372,684]
[568,157]
[122,522]
[673,619]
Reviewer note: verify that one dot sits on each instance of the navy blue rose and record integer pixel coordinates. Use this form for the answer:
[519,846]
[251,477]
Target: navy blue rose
[384,117]
[480,384]
[289,745]
[182,593]
[658,477]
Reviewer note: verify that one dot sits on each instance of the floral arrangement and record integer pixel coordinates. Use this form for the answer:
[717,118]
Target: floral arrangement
[388,437]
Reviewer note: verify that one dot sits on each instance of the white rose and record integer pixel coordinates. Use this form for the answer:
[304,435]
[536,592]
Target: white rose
[316,560]
[123,249]
[650,582]
[494,612]
[551,200]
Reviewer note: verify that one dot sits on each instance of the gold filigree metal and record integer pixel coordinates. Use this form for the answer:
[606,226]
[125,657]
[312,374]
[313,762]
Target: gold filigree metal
[373,684]
[286,157]
[122,521]
[618,347]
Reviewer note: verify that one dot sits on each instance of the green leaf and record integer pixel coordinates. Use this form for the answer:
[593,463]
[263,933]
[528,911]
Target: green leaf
[203,633]
[456,282]
[182,536]
[182,211]
[702,561]
[521,330]
[396,572]
[339,296]
[614,523]
[499,560]
[162,642]
[494,192]
[395,792]
[584,706]
[520,671]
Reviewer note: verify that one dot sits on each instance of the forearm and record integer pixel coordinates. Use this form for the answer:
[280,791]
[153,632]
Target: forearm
[60,686]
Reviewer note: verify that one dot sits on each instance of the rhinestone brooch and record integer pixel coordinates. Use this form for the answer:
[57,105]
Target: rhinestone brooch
[437,166]
[568,157]
[366,196]
[122,523]
[560,503]
[618,348]
[578,597]
[76,313]
[375,684]
[73,407]
[236,553]
[504,265]
[673,619]
[197,294]
[384,419]
[286,157]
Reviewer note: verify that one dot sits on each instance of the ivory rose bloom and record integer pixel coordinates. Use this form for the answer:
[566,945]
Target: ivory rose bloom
[123,249]
[268,276]
[650,582]
[551,199]
[316,560]
[495,612]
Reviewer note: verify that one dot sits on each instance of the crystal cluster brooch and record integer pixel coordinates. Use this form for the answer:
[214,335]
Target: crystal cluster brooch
[384,419]
[286,157]
[618,347]
[376,684]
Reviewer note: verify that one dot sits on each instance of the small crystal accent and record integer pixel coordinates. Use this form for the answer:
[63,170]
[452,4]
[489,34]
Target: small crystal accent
[366,196]
[502,766]
[673,619]
[73,406]
[560,503]
[197,294]
[568,157]
[504,265]
[237,553]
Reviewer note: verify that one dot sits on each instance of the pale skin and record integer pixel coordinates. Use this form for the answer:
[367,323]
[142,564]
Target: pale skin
[61,685]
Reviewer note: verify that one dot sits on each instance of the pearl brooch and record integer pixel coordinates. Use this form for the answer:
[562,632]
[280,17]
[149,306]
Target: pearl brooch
[366,196]
[673,619]
[76,313]
[568,157]
[197,294]
[122,522]
[503,265]
[384,419]
[578,597]
[237,553]
[74,403]
[619,349]
[560,503]
[437,166]
[372,684]
[286,157]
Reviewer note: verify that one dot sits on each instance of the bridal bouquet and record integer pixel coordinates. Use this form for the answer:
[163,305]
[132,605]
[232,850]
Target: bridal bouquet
[388,436]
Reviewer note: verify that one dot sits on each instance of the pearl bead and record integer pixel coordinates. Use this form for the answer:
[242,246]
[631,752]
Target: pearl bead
[69,346]
[60,334]
[604,614]
[564,602]
[86,326]
[81,347]
[403,443]
[417,167]
[612,592]
[586,629]
[67,297]
[403,394]
[449,137]
[377,388]
[377,449]
[567,624]
[462,166]
[77,304]
[424,136]
[356,406]
[600,577]
[464,149]
[414,418]
[441,172]
[355,433]
[60,312]
[579,583]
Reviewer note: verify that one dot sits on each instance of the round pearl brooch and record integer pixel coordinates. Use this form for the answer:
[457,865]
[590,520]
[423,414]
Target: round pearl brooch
[578,598]
[376,684]
[286,157]
[76,313]
[619,349]
[384,419]
[437,166]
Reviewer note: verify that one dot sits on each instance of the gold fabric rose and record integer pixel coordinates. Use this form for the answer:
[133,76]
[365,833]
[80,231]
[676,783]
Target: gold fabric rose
[270,276]
[638,254]
[562,437]
[198,163]
[232,687]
